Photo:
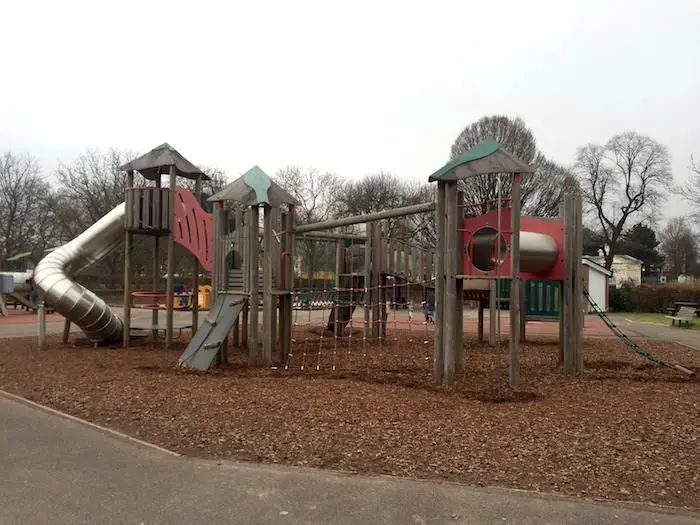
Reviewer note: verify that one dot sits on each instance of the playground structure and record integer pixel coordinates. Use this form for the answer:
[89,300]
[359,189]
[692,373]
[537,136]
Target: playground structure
[172,213]
[16,290]
[472,256]
[376,271]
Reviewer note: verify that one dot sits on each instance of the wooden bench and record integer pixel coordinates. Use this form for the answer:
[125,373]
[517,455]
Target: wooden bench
[684,315]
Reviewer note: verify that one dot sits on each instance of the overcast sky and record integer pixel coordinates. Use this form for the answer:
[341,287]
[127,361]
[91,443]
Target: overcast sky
[353,87]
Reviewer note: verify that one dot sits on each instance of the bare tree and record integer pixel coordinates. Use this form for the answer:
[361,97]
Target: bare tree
[540,191]
[317,191]
[25,221]
[384,191]
[679,248]
[88,188]
[624,179]
[690,191]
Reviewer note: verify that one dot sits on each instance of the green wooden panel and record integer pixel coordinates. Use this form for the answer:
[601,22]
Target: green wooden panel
[541,297]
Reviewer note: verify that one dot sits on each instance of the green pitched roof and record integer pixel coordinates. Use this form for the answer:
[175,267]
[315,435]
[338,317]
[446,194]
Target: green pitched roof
[488,157]
[252,188]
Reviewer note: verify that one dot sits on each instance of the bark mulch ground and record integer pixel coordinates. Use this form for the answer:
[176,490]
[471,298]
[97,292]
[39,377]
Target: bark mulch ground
[625,430]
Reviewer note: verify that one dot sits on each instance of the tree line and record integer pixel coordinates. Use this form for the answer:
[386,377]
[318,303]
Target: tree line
[624,183]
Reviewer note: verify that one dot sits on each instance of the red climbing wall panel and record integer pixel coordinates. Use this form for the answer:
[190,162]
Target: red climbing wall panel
[194,227]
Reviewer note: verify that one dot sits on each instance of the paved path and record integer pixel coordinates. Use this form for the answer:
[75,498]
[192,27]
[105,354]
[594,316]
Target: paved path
[59,471]
[639,330]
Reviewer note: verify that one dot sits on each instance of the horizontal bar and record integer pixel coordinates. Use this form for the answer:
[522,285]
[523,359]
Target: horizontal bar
[367,217]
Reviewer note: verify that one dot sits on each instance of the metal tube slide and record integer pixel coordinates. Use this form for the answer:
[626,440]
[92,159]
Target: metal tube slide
[72,300]
[538,252]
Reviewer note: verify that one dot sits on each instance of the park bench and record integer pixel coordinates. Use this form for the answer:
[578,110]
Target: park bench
[684,315]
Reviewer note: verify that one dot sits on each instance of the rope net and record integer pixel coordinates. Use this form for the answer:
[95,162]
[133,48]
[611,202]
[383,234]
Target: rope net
[355,311]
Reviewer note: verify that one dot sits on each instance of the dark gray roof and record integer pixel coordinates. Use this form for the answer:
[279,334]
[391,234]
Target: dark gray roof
[254,187]
[488,157]
[158,161]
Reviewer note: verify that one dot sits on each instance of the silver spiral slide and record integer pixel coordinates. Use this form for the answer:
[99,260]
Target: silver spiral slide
[72,300]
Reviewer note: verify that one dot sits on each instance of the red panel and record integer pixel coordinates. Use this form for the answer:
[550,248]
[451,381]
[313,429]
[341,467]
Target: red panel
[194,227]
[552,227]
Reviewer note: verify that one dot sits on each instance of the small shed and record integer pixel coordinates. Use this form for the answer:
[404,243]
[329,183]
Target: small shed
[596,279]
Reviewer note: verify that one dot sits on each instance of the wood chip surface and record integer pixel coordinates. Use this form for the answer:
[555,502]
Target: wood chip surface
[624,430]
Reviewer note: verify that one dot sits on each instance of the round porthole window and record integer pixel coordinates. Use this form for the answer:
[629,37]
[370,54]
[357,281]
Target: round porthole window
[485,250]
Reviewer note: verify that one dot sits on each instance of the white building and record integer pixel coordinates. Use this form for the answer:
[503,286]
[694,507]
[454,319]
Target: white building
[596,280]
[625,268]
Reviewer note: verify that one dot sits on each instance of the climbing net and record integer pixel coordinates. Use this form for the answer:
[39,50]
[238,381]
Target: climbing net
[355,311]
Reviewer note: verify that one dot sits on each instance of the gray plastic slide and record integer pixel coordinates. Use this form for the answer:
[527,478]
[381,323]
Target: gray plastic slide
[207,342]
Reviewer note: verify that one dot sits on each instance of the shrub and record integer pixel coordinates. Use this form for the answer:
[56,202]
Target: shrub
[653,298]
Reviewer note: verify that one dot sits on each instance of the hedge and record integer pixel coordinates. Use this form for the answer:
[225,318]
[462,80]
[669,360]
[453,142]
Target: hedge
[652,298]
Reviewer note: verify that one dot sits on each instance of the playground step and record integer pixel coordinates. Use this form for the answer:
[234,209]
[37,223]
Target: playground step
[235,280]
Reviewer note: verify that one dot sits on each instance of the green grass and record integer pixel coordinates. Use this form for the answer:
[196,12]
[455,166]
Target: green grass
[658,319]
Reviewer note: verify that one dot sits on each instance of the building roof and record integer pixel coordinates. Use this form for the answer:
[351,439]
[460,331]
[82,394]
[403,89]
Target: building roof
[157,162]
[252,188]
[597,267]
[488,157]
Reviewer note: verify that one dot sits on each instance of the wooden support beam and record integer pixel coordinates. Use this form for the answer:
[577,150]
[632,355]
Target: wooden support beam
[238,241]
[368,217]
[171,263]
[439,355]
[449,319]
[245,263]
[268,304]
[577,291]
[128,255]
[288,299]
[253,254]
[459,283]
[514,361]
[368,281]
[66,330]
[493,293]
[155,263]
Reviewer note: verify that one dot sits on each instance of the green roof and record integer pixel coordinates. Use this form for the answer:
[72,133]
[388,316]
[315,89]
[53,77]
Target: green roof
[486,158]
[20,256]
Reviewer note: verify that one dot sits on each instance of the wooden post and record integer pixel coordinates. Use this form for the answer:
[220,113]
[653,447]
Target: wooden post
[238,236]
[171,263]
[368,282]
[439,356]
[376,280]
[128,248]
[563,208]
[268,306]
[578,296]
[450,320]
[480,329]
[195,266]
[253,253]
[66,330]
[41,314]
[286,342]
[567,289]
[155,263]
[514,368]
[338,325]
[493,292]
[523,311]
[245,270]
[459,283]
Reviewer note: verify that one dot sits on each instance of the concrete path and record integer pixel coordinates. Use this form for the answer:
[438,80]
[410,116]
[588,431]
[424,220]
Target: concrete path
[659,332]
[59,471]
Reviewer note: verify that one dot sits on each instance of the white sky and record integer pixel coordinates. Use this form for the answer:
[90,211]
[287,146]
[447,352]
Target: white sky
[354,87]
